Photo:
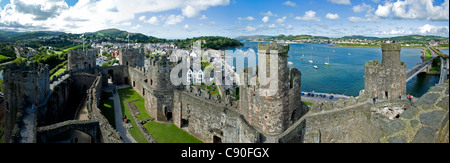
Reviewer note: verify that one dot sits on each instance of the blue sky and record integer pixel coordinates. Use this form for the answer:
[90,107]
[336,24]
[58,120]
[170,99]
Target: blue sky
[231,18]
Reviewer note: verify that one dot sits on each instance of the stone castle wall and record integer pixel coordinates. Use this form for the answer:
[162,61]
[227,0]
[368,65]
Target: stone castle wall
[357,121]
[81,60]
[23,85]
[388,79]
[131,57]
[206,119]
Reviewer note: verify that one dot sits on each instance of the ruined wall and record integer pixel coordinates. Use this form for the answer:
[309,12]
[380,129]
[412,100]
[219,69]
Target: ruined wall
[23,85]
[386,80]
[131,57]
[117,74]
[79,60]
[210,120]
[107,133]
[359,121]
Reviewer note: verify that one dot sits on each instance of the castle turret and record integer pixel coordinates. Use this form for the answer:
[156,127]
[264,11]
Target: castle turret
[24,85]
[132,57]
[268,101]
[81,59]
[388,79]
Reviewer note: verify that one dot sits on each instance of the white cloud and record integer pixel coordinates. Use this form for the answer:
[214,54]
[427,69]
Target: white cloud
[289,3]
[272,26]
[309,16]
[422,30]
[332,16]
[433,30]
[142,18]
[384,11]
[136,27]
[126,24]
[269,13]
[174,19]
[355,19]
[203,17]
[90,15]
[249,18]
[281,20]
[361,8]
[342,2]
[250,28]
[265,19]
[153,20]
[414,9]
[186,26]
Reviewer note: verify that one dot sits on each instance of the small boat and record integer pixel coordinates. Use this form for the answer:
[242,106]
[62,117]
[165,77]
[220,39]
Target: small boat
[349,54]
[290,63]
[316,67]
[328,62]
[302,57]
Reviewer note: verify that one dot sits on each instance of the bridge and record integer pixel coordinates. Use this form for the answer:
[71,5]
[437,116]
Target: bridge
[422,66]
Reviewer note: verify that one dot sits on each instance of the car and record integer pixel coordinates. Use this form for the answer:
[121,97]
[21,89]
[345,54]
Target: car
[324,96]
[331,97]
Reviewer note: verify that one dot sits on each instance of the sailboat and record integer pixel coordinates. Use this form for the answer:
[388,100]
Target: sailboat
[328,62]
[349,54]
[311,61]
[302,57]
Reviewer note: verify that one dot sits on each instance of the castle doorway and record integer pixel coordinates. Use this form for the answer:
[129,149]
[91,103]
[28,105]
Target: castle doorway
[167,113]
[111,75]
[217,139]
[184,123]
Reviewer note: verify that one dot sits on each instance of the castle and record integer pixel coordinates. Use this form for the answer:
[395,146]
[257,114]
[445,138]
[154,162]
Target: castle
[265,113]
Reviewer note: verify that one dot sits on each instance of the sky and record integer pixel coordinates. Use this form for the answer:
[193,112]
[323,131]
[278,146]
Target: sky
[179,19]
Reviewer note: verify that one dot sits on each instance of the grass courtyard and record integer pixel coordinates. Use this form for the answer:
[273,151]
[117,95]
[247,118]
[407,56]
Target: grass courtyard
[107,108]
[161,132]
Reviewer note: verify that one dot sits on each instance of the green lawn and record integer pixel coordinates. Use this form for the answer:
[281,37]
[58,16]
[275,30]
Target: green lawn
[307,103]
[60,71]
[169,133]
[161,132]
[135,132]
[107,108]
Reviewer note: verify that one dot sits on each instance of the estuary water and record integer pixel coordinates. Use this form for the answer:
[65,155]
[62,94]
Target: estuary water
[345,72]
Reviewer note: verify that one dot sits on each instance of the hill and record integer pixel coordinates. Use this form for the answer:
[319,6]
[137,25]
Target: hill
[116,33]
[359,37]
[15,36]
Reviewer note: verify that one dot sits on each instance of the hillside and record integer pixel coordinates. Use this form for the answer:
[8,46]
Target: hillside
[116,33]
[15,36]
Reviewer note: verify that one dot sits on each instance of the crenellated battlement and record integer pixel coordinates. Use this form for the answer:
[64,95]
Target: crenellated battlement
[81,60]
[132,57]
[282,49]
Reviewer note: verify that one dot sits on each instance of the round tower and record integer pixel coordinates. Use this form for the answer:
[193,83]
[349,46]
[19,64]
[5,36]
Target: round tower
[268,101]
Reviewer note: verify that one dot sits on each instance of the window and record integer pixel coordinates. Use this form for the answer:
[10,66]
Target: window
[189,76]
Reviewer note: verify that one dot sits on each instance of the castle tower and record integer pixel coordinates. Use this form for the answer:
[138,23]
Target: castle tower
[132,57]
[23,86]
[80,59]
[386,80]
[267,107]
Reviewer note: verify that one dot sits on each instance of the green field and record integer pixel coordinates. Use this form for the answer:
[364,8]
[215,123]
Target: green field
[5,58]
[107,108]
[60,71]
[307,103]
[161,132]
[357,45]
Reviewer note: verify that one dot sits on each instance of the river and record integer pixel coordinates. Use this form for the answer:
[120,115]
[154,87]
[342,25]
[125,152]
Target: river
[345,74]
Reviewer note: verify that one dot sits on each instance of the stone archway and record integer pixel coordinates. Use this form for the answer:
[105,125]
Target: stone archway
[167,113]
